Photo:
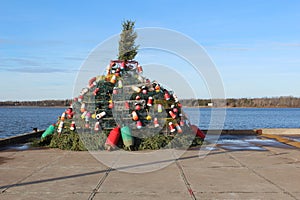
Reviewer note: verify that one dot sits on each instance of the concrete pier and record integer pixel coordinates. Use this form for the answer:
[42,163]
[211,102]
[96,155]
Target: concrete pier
[271,173]
[57,174]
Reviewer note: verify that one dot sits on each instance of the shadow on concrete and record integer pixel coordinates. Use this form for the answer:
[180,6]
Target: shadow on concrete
[5,187]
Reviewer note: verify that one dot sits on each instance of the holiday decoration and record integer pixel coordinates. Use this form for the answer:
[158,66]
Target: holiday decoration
[122,103]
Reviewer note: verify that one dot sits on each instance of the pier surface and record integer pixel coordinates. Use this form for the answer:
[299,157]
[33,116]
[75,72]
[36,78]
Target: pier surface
[273,173]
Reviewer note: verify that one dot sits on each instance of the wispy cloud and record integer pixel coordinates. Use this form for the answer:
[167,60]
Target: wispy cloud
[73,58]
[21,61]
[33,43]
[35,70]
[230,47]
[287,44]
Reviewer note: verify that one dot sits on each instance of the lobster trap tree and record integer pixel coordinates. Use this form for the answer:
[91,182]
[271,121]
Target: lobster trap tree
[127,47]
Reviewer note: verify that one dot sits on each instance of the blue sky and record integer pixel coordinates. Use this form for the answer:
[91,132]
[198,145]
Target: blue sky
[254,44]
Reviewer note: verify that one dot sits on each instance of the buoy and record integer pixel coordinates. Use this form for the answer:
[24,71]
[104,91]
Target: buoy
[96,91]
[113,79]
[87,125]
[159,108]
[175,98]
[60,127]
[175,110]
[75,99]
[84,91]
[137,106]
[115,90]
[82,108]
[69,111]
[171,127]
[120,84]
[93,116]
[157,88]
[111,104]
[148,117]
[139,124]
[197,131]
[97,126]
[123,65]
[172,114]
[150,101]
[111,64]
[83,115]
[167,95]
[126,105]
[179,130]
[126,136]
[144,90]
[72,126]
[92,82]
[137,97]
[139,69]
[100,115]
[112,138]
[50,130]
[136,89]
[87,116]
[117,73]
[155,121]
[63,116]
[134,116]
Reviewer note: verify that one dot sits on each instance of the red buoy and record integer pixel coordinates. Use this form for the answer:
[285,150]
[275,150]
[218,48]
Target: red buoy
[197,131]
[113,138]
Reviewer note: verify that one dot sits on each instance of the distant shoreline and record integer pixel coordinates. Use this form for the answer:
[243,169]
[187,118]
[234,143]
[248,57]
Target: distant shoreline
[267,102]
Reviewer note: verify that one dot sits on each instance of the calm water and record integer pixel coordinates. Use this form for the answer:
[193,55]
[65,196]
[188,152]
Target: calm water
[14,121]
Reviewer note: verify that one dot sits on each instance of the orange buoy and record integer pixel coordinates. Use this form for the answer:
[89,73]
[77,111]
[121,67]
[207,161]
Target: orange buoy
[82,108]
[113,79]
[135,117]
[63,116]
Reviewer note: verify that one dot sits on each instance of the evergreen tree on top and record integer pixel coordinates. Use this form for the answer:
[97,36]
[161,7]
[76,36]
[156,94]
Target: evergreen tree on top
[127,47]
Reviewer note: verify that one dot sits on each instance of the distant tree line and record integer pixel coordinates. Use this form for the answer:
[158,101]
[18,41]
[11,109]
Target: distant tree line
[267,102]
[288,102]
[42,103]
